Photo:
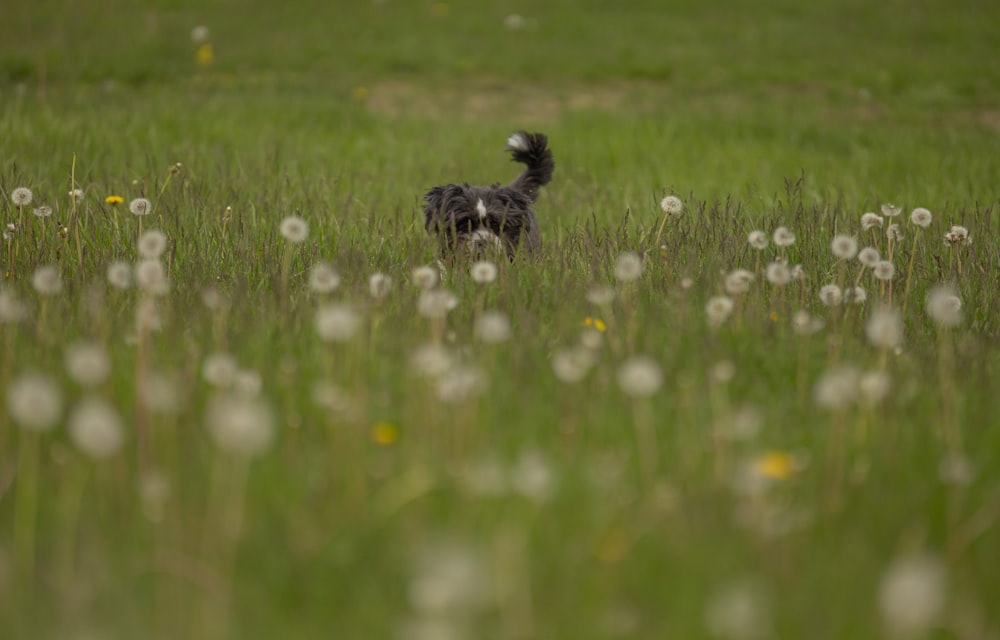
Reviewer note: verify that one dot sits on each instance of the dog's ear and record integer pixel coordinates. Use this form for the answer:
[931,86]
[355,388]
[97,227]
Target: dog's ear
[435,201]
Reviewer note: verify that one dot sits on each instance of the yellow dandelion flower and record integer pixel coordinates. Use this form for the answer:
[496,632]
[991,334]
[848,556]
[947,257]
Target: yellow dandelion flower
[612,547]
[205,55]
[773,316]
[384,433]
[360,93]
[776,465]
[595,323]
[114,200]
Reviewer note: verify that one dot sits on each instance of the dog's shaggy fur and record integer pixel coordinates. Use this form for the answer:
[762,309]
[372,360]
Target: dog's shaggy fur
[480,220]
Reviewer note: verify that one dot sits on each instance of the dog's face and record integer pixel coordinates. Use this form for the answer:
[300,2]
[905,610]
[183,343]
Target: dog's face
[480,221]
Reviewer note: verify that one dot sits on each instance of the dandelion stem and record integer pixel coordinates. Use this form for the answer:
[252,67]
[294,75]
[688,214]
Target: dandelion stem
[26,512]
[286,269]
[72,499]
[946,378]
[223,530]
[73,217]
[645,440]
[909,271]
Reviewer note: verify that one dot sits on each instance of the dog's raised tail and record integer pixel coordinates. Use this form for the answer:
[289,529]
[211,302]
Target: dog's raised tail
[531,150]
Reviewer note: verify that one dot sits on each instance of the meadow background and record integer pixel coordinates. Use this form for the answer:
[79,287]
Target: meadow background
[748,475]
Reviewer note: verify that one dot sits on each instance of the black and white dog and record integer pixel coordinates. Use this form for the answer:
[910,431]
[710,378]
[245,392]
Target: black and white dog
[483,220]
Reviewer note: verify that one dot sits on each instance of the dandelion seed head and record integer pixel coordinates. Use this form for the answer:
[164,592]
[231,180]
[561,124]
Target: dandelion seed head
[783,237]
[514,22]
[96,428]
[870,221]
[21,196]
[884,328]
[628,268]
[572,365]
[294,229]
[874,387]
[120,275]
[738,281]
[242,427]
[200,34]
[323,278]
[247,383]
[944,307]
[890,210]
[532,476]
[956,470]
[718,309]
[450,581]
[12,310]
[214,299]
[152,244]
[147,316]
[869,257]
[884,270]
[154,490]
[335,399]
[831,295]
[912,594]
[336,322]
[778,273]
[151,276]
[743,424]
[140,207]
[492,327]
[34,402]
[486,478]
[671,205]
[739,611]
[436,303]
[837,388]
[88,363]
[161,394]
[722,371]
[640,376]
[757,240]
[379,286]
[591,339]
[855,295]
[844,246]
[958,235]
[43,211]
[894,233]
[431,360]
[921,217]
[798,272]
[425,277]
[600,296]
[47,281]
[76,194]
[805,324]
[219,370]
[484,272]
[460,383]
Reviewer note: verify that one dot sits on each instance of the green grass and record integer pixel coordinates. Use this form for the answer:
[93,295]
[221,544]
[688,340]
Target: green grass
[363,514]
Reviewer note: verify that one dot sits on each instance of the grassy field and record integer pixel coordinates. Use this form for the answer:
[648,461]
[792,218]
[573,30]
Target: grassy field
[217,431]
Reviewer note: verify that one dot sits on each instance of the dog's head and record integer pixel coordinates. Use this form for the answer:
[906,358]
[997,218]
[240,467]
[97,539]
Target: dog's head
[480,220]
